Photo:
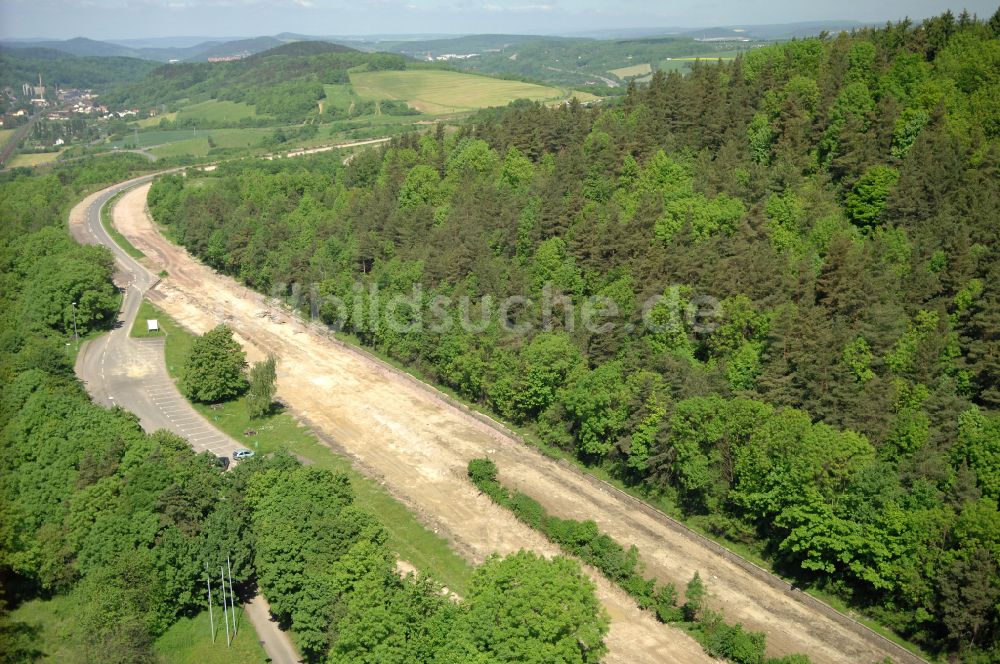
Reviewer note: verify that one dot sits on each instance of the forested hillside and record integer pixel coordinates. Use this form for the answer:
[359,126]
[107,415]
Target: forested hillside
[819,377]
[125,524]
[591,62]
[19,66]
[285,82]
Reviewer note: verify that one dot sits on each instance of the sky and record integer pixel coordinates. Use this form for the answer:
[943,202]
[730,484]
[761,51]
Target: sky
[131,19]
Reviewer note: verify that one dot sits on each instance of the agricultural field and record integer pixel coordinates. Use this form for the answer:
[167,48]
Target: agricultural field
[147,139]
[214,110]
[339,96]
[634,70]
[190,142]
[435,91]
[5,134]
[682,64]
[33,159]
[585,97]
[155,120]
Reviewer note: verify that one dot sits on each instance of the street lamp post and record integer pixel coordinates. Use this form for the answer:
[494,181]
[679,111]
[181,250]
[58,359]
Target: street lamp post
[76,335]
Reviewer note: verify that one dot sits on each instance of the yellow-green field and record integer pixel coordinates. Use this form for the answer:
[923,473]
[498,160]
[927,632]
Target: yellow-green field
[338,96]
[214,110]
[437,91]
[634,70]
[33,159]
[585,97]
[155,120]
[5,134]
[177,142]
[684,63]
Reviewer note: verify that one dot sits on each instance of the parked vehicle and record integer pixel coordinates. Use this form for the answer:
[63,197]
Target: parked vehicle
[242,454]
[223,462]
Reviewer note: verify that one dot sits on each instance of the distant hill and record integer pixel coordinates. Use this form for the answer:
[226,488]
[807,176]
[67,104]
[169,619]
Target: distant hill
[285,82]
[303,48]
[200,49]
[81,47]
[24,65]
[773,32]
[184,41]
[598,65]
[224,49]
[467,44]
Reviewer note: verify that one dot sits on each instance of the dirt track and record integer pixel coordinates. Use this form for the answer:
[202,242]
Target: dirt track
[419,446]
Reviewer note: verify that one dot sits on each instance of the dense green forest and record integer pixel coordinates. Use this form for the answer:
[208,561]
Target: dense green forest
[125,524]
[285,82]
[19,66]
[828,206]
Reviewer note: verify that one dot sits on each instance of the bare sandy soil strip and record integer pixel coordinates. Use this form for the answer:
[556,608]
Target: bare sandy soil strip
[419,446]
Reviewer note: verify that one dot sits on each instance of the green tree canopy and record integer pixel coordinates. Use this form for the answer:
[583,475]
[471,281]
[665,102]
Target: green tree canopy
[215,370]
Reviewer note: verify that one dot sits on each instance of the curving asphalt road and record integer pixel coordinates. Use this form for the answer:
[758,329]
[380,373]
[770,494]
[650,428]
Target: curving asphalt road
[131,372]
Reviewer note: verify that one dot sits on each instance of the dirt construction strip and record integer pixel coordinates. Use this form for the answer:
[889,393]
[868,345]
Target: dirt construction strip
[418,444]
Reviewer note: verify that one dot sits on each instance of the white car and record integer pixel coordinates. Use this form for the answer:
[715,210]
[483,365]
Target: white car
[241,454]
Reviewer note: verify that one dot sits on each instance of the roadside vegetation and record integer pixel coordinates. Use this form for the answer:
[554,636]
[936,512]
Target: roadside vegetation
[107,222]
[835,198]
[621,566]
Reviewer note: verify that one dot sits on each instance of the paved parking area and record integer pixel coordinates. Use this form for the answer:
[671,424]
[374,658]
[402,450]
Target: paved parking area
[176,413]
[120,370]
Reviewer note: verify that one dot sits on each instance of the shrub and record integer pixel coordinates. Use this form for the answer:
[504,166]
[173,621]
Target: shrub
[527,509]
[733,643]
[665,603]
[482,471]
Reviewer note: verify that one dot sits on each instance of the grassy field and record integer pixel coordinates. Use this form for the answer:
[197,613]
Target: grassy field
[186,142]
[113,232]
[188,641]
[584,97]
[36,159]
[195,147]
[5,134]
[214,110]
[634,70]
[54,623]
[146,139]
[339,96]
[155,120]
[435,91]
[408,537]
[684,63]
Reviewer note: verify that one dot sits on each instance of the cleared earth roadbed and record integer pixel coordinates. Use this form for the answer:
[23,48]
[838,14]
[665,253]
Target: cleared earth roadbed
[418,441]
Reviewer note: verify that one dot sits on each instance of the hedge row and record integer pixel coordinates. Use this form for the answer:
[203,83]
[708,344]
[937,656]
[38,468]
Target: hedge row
[621,566]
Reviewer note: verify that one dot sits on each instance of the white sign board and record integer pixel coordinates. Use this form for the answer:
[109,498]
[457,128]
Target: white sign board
[152,325]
